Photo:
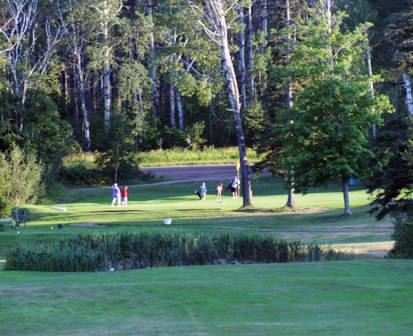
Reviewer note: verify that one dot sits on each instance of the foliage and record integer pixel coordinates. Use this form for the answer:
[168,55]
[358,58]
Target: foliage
[5,206]
[195,139]
[47,133]
[403,232]
[119,160]
[392,183]
[328,134]
[20,178]
[183,156]
[81,169]
[87,253]
[172,137]
[254,121]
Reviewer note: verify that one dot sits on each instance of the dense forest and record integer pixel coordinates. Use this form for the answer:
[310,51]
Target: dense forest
[321,88]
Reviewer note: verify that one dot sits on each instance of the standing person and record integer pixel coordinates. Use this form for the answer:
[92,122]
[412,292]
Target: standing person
[116,194]
[234,187]
[219,193]
[124,195]
[203,191]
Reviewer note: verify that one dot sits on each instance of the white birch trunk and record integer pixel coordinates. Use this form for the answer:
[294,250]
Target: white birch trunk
[212,19]
[85,114]
[19,42]
[264,24]
[106,79]
[242,66]
[153,72]
[371,86]
[180,107]
[290,193]
[172,105]
[236,108]
[408,89]
[250,54]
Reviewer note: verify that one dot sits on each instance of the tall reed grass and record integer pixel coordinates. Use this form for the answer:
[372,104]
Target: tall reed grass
[183,156]
[101,252]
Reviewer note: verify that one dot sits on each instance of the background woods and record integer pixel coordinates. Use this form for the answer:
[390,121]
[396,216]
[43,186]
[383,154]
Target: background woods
[120,77]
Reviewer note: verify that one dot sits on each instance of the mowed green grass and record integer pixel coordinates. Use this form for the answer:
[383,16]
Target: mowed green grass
[368,297]
[317,218]
[360,297]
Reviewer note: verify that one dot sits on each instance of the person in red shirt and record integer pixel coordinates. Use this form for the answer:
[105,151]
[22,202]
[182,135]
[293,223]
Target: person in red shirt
[125,195]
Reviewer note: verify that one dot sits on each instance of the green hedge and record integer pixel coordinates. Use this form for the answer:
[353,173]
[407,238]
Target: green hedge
[102,252]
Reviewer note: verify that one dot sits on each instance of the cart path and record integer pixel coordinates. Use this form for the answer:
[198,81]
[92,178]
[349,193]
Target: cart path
[180,174]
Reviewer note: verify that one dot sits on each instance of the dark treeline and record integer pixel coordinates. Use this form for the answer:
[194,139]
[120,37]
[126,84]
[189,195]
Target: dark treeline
[118,77]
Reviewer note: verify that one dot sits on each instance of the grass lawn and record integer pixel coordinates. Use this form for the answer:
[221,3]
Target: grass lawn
[368,297]
[317,219]
[360,297]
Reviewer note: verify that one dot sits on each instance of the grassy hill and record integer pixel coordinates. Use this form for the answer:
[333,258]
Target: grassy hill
[359,297]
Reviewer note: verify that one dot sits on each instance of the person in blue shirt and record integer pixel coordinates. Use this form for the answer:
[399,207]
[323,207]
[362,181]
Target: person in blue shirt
[116,194]
[203,191]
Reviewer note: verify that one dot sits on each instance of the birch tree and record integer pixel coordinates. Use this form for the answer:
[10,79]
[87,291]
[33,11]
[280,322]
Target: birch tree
[153,68]
[72,17]
[105,17]
[212,16]
[26,56]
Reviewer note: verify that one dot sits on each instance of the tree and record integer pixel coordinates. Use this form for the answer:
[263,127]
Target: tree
[20,177]
[392,182]
[72,17]
[104,20]
[212,17]
[392,185]
[119,160]
[329,134]
[28,44]
[324,65]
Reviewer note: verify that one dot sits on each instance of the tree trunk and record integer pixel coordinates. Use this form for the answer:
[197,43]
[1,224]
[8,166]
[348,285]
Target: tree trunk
[106,91]
[153,72]
[290,194]
[264,25]
[250,54]
[370,74]
[214,13]
[180,110]
[85,114]
[172,104]
[81,80]
[290,198]
[75,101]
[242,66]
[408,88]
[236,107]
[344,182]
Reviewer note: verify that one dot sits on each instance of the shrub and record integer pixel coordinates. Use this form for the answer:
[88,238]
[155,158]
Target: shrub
[20,177]
[81,169]
[403,235]
[139,250]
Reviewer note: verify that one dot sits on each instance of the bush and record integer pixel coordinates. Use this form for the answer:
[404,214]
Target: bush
[5,207]
[403,235]
[130,251]
[80,169]
[20,177]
